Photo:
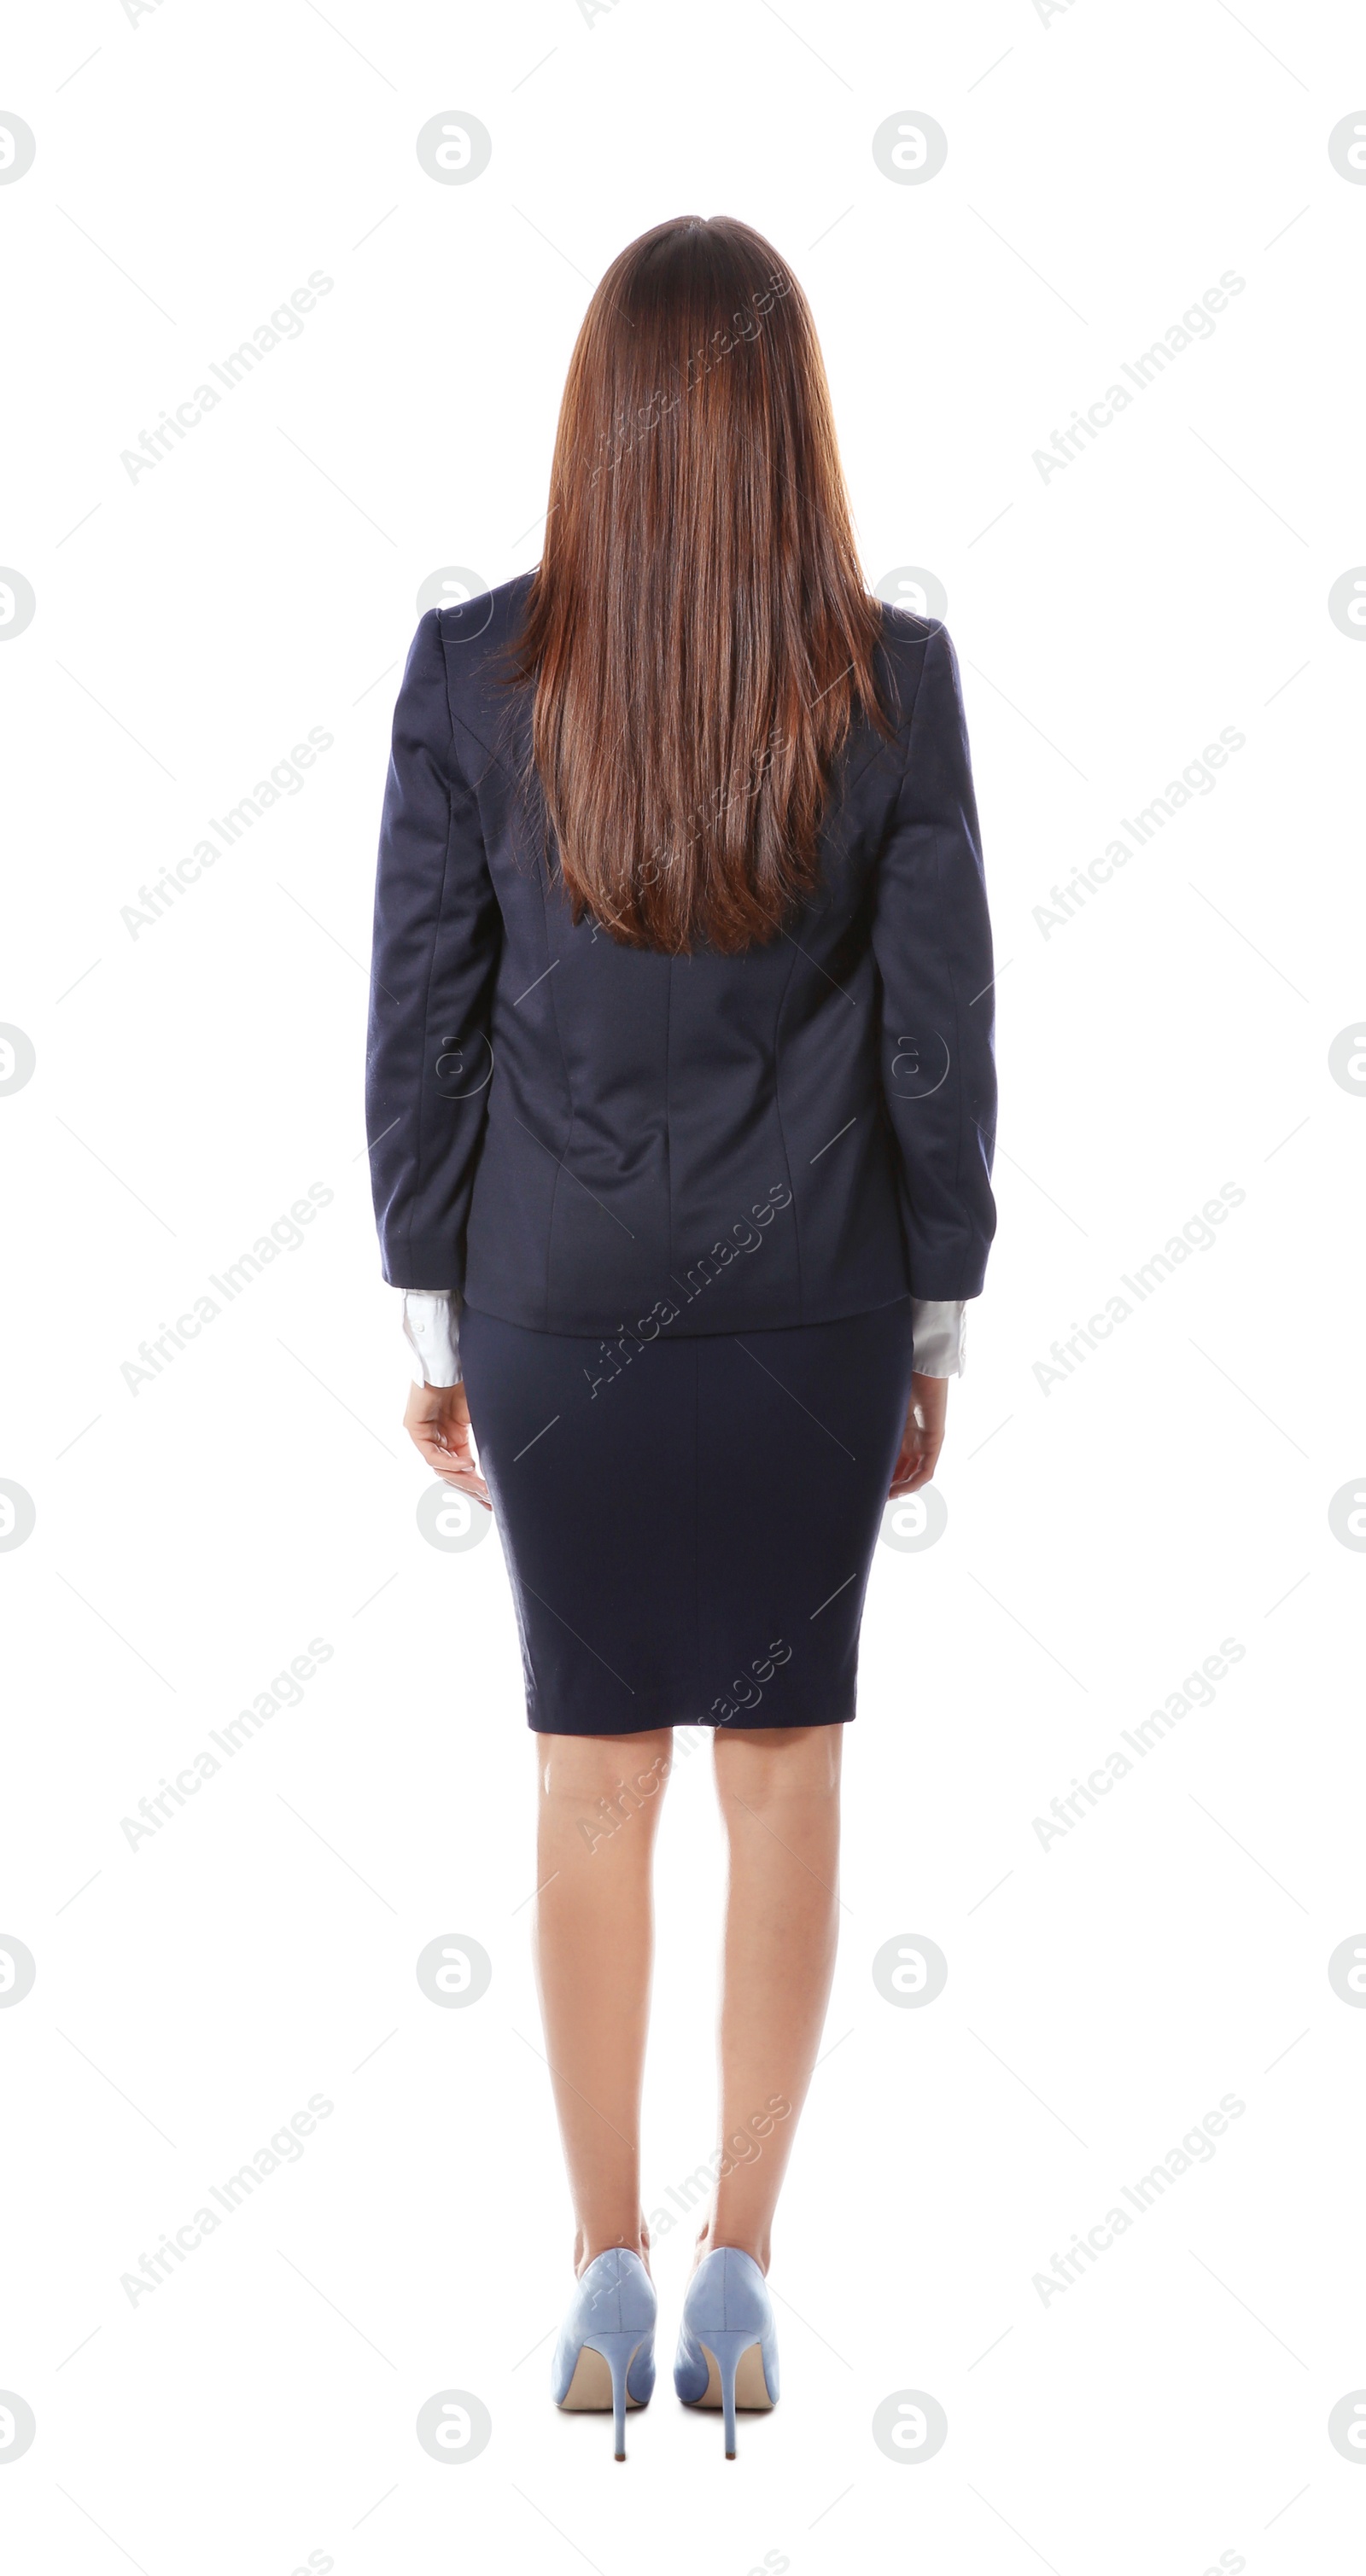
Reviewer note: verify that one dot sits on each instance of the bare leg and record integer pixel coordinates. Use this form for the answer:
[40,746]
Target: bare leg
[779,1794]
[598,1804]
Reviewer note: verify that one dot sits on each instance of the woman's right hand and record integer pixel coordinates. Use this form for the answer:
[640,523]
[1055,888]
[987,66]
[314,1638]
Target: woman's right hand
[437,1421]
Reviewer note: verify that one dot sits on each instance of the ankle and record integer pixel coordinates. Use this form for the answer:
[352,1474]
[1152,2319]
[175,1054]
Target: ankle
[716,2232]
[589,2243]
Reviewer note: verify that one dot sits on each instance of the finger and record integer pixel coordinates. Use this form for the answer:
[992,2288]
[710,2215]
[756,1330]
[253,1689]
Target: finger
[466,1482]
[465,1479]
[446,1447]
[450,1468]
[457,1462]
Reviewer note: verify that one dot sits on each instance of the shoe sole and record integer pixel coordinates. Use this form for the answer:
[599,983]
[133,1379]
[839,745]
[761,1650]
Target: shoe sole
[590,2390]
[751,2387]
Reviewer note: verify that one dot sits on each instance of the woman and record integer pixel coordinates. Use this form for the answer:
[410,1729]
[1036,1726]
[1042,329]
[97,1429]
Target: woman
[682,1096]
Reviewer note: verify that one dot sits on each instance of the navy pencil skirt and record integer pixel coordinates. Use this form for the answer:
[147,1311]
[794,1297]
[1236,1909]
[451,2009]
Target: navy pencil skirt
[688,1523]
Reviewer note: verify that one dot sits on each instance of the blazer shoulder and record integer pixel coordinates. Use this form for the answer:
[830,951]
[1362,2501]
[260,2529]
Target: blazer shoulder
[473,630]
[905,648]
[907,638]
[903,623]
[474,644]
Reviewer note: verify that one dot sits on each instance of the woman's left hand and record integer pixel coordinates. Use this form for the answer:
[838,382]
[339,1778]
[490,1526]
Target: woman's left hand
[437,1421]
[923,1437]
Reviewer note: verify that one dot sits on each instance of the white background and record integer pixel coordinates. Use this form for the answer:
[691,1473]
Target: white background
[1168,2410]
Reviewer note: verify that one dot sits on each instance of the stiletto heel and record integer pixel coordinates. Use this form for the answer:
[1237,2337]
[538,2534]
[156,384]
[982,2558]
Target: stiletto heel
[606,2352]
[727,2350]
[618,2351]
[728,2344]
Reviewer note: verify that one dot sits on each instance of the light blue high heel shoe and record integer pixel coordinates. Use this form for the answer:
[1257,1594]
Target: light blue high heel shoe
[728,2345]
[606,2352]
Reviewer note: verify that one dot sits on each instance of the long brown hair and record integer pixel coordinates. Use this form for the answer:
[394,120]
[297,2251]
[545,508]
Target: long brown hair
[698,630]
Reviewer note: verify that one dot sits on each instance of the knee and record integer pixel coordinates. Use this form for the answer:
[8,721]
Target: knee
[780,1766]
[595,1784]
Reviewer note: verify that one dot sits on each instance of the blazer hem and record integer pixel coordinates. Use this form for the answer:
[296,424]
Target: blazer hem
[684,1329]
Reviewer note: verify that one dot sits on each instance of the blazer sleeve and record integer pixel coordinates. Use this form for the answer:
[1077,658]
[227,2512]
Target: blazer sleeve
[932,945]
[437,939]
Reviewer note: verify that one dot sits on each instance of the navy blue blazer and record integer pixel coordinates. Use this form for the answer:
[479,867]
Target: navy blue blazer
[578,1136]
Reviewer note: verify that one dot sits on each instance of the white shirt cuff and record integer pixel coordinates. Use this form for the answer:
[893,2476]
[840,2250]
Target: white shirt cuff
[938,1336]
[429,1320]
